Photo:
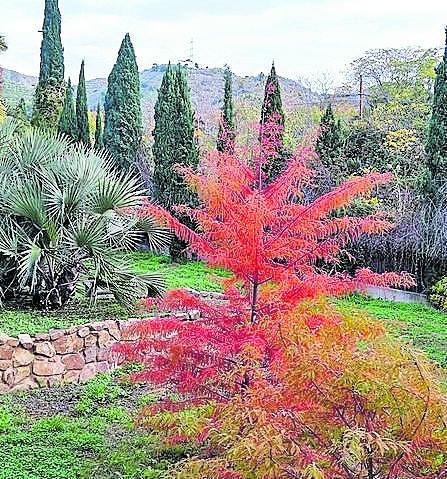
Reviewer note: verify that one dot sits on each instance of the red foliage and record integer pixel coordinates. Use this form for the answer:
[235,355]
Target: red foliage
[243,351]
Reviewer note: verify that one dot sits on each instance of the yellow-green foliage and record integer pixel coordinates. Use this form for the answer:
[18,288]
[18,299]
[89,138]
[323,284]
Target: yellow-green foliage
[438,295]
[400,140]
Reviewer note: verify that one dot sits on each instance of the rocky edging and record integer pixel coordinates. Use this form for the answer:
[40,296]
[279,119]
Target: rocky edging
[59,356]
[71,355]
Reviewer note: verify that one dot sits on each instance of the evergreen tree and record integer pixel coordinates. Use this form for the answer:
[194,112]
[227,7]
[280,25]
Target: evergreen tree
[330,139]
[226,135]
[123,119]
[20,112]
[436,147]
[174,143]
[49,94]
[82,109]
[68,123]
[98,130]
[272,113]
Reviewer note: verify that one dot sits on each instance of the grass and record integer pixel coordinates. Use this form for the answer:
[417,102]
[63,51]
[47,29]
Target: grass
[423,326]
[14,321]
[93,437]
[193,274]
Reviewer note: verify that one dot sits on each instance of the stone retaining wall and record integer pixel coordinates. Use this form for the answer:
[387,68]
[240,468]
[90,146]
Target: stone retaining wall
[71,355]
[396,295]
[66,355]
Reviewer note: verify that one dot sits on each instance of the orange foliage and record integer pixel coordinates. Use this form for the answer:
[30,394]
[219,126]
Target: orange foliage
[282,385]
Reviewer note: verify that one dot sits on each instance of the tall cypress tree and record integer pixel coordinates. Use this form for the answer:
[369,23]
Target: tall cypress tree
[20,112]
[82,109]
[272,112]
[174,143]
[68,124]
[49,94]
[330,139]
[226,135]
[123,119]
[436,147]
[98,130]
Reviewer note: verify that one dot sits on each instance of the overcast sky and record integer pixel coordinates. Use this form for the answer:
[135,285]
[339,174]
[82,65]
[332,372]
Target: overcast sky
[304,37]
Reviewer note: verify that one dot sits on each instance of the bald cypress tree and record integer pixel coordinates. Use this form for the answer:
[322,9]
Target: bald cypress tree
[68,124]
[226,135]
[98,130]
[82,109]
[436,147]
[174,143]
[50,90]
[123,119]
[272,113]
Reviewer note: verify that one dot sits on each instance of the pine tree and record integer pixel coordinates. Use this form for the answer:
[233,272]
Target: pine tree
[123,119]
[68,123]
[436,147]
[226,136]
[50,90]
[330,139]
[82,109]
[98,130]
[272,115]
[174,143]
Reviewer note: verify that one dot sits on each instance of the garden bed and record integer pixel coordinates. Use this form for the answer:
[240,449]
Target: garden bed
[81,432]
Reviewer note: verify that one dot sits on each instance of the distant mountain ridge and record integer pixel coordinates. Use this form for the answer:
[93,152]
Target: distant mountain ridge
[206,90]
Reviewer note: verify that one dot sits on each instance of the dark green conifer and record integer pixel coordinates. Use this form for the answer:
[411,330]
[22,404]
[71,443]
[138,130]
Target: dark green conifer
[330,139]
[174,143]
[20,112]
[50,90]
[68,124]
[436,148]
[226,135]
[272,113]
[82,109]
[98,130]
[123,119]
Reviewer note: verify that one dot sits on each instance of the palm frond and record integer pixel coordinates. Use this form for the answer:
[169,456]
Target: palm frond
[115,192]
[158,237]
[26,200]
[35,148]
[28,265]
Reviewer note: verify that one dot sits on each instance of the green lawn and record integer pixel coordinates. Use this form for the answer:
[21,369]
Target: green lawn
[14,321]
[423,326]
[81,432]
[193,274]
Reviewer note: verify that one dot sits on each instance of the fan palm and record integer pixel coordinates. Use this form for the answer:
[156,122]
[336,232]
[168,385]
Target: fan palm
[62,221]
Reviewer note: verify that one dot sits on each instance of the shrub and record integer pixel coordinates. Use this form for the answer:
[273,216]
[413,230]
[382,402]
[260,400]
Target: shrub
[438,294]
[62,221]
[273,382]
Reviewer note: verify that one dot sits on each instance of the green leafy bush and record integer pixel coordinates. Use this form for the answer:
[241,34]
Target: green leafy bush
[61,221]
[438,294]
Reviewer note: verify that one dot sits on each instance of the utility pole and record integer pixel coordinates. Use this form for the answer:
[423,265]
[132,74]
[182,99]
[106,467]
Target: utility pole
[361,105]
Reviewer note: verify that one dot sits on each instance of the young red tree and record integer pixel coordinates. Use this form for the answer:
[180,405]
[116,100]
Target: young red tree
[282,385]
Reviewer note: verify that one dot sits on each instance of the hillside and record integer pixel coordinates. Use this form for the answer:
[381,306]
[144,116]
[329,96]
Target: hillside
[206,90]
